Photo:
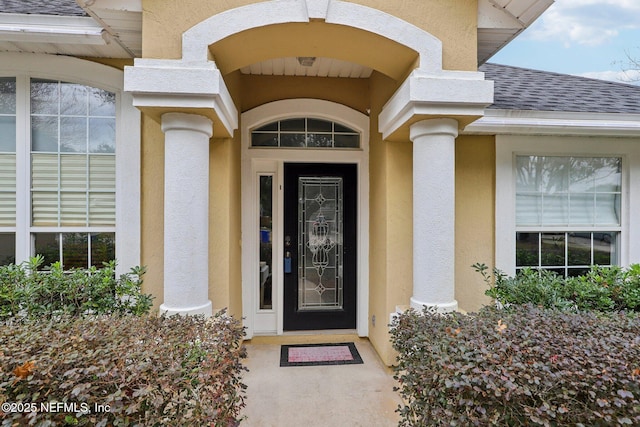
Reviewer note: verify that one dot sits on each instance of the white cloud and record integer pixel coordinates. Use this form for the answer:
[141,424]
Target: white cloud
[586,22]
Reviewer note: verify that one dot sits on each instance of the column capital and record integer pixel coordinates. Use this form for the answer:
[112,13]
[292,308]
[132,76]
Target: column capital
[188,122]
[460,95]
[160,86]
[428,127]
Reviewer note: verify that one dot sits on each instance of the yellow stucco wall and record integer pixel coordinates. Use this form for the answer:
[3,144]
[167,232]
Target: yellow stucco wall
[224,226]
[390,198]
[475,217]
[152,208]
[112,62]
[258,90]
[453,22]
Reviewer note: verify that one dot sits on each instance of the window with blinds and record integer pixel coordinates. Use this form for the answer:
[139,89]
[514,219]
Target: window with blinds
[7,152]
[568,212]
[72,155]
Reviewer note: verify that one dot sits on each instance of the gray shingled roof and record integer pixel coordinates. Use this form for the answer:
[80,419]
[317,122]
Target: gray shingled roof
[525,89]
[42,7]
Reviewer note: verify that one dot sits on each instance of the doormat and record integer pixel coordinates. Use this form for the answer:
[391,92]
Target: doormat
[319,354]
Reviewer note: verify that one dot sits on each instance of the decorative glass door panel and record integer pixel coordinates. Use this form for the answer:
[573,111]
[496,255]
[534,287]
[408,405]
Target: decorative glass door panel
[319,255]
[320,245]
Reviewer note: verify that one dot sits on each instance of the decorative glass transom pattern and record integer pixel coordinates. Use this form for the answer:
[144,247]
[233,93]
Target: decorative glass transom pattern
[320,213]
[305,133]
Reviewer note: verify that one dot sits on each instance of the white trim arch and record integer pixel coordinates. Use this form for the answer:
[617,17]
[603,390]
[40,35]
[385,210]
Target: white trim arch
[196,40]
[270,161]
[23,66]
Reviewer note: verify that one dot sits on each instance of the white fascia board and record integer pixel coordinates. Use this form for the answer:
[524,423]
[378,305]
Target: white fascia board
[522,122]
[525,11]
[50,29]
[179,84]
[450,93]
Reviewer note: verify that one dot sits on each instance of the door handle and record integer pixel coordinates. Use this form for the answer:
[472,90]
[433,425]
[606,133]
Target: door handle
[287,262]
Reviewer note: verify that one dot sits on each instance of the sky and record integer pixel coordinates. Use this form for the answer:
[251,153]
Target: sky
[590,38]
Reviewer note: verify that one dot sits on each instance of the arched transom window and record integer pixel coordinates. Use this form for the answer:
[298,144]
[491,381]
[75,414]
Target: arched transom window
[305,132]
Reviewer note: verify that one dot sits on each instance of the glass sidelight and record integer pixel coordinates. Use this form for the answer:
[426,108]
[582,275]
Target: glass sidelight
[320,243]
[266,242]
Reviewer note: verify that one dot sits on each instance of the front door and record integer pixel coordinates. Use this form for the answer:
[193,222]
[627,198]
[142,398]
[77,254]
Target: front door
[320,209]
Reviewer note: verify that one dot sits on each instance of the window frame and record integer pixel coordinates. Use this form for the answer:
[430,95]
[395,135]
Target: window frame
[278,132]
[127,226]
[568,231]
[508,147]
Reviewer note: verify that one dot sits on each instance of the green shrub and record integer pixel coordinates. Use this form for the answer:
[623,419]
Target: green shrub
[25,291]
[123,370]
[516,367]
[605,289]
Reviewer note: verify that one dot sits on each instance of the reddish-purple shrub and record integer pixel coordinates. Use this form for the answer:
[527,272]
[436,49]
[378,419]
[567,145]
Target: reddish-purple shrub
[516,367]
[125,370]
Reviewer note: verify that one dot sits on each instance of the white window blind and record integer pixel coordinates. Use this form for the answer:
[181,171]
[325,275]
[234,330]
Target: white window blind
[568,191]
[73,155]
[7,189]
[567,212]
[7,151]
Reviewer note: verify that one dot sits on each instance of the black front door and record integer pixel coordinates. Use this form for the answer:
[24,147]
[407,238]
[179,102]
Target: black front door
[320,210]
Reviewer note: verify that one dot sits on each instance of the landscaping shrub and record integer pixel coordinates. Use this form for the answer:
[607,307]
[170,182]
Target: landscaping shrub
[25,291]
[122,371]
[605,289]
[517,367]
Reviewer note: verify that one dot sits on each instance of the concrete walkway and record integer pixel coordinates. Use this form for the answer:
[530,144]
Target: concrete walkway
[333,396]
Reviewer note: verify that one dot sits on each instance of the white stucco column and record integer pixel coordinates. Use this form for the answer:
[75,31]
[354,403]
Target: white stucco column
[186,214]
[434,213]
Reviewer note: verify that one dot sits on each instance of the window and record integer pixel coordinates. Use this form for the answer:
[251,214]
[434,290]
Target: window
[72,155]
[7,169]
[568,212]
[266,243]
[66,165]
[305,133]
[75,250]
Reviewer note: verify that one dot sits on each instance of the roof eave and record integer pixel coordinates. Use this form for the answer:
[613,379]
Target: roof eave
[500,21]
[24,28]
[524,122]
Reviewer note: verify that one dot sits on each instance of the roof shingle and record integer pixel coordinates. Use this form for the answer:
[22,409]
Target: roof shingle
[39,7]
[525,89]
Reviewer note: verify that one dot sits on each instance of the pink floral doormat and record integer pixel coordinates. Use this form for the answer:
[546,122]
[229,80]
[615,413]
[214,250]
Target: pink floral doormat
[319,354]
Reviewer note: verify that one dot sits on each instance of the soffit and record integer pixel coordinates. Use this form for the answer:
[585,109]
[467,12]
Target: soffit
[500,21]
[100,28]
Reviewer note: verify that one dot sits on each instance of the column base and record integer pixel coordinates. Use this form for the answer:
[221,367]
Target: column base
[441,307]
[206,309]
